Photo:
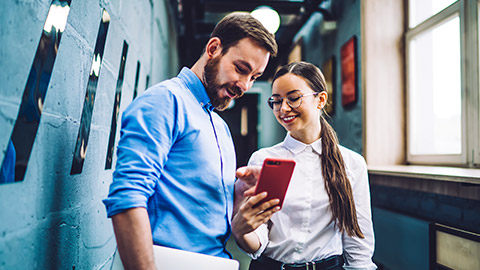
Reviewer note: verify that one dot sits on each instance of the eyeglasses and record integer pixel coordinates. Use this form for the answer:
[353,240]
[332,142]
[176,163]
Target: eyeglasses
[294,100]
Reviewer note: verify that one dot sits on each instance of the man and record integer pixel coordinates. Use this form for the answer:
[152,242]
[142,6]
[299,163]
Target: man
[174,180]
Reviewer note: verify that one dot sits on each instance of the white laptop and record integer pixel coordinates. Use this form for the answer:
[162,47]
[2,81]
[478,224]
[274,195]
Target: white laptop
[175,259]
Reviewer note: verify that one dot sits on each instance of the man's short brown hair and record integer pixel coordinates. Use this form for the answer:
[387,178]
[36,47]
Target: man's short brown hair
[236,26]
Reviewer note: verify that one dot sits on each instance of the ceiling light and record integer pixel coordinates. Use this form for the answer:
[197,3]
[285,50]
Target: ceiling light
[268,17]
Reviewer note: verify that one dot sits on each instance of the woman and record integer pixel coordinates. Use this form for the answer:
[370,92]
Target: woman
[325,222]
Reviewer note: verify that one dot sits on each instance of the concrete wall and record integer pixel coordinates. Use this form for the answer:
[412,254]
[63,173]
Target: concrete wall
[319,45]
[53,220]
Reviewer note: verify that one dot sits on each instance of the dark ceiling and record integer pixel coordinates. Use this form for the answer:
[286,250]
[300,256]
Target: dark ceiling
[197,18]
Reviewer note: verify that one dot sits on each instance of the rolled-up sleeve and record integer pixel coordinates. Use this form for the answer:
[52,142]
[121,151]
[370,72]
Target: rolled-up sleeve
[146,137]
[358,252]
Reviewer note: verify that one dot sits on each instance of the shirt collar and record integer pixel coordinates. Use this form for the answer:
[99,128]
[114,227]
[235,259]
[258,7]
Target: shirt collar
[196,87]
[296,146]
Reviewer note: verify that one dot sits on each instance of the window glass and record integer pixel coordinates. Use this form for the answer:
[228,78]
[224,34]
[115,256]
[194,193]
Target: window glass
[435,90]
[420,10]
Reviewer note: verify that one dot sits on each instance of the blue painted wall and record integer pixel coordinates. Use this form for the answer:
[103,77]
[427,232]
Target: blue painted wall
[53,220]
[401,242]
[318,47]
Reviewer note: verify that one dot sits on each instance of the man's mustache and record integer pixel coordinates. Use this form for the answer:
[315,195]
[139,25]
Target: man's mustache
[234,89]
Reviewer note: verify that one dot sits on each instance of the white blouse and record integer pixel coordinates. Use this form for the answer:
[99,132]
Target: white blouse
[303,229]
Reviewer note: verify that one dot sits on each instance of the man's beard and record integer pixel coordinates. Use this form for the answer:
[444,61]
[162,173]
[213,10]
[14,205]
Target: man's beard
[210,80]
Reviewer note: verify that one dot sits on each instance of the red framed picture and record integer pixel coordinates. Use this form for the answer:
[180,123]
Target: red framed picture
[349,71]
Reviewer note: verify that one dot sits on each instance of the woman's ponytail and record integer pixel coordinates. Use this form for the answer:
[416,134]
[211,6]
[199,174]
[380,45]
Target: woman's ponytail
[337,184]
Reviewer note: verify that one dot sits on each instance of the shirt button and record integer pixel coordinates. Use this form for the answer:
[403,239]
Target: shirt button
[201,104]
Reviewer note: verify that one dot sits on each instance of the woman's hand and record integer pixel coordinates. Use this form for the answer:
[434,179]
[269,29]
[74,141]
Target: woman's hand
[249,216]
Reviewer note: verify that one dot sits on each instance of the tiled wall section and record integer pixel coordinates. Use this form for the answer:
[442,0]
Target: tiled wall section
[403,208]
[451,211]
[53,220]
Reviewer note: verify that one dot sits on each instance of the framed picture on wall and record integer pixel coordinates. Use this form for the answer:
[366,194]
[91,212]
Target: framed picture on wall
[349,71]
[328,69]
[296,53]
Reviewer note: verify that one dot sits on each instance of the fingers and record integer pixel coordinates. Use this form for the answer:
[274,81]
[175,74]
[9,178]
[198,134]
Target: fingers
[248,220]
[266,206]
[255,203]
[255,199]
[249,192]
[266,215]
[246,171]
[248,174]
[241,172]
[253,213]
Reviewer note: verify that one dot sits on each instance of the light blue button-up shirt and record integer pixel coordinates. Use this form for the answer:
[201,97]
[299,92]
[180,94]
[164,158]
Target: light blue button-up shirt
[176,158]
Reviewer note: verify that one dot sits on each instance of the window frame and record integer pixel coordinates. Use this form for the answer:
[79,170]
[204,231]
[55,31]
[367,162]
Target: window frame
[468,13]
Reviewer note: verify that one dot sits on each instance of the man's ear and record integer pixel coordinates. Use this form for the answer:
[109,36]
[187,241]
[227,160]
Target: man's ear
[213,48]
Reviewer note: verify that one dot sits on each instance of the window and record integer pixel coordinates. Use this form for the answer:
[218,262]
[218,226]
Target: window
[443,82]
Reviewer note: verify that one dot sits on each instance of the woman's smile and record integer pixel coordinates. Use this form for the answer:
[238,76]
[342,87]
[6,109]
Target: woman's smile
[288,119]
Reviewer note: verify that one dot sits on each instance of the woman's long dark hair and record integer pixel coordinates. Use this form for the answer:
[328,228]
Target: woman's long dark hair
[333,167]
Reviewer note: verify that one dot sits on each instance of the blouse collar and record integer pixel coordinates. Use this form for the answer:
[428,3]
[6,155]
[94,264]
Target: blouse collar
[297,146]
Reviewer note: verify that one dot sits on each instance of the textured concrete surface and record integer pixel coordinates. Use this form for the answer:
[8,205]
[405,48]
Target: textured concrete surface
[53,220]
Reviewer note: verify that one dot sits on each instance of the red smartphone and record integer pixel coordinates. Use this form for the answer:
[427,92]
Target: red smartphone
[274,178]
